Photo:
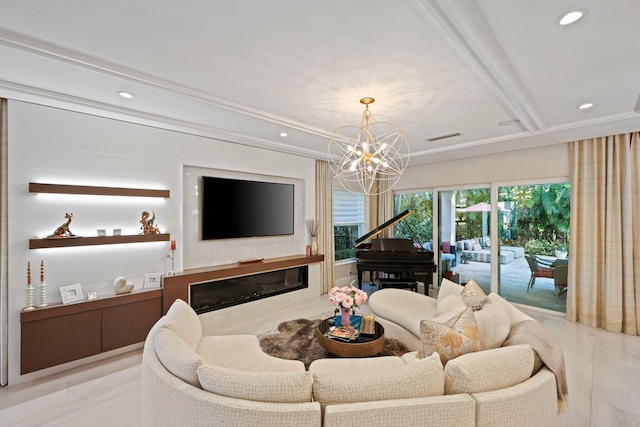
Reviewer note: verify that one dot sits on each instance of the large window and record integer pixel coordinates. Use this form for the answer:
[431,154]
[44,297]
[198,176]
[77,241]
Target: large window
[418,226]
[348,222]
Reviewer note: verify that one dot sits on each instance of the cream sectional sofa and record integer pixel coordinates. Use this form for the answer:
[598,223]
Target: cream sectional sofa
[194,380]
[495,376]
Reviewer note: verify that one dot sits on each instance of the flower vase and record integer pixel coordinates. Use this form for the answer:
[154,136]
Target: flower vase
[346,317]
[314,245]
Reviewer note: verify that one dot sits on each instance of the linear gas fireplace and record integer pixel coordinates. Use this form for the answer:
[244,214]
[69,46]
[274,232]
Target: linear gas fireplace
[214,295]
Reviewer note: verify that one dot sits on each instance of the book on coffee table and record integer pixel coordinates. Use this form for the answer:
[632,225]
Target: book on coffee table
[343,333]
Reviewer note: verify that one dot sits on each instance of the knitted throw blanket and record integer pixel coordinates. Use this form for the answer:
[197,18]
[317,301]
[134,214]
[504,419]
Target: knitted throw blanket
[548,349]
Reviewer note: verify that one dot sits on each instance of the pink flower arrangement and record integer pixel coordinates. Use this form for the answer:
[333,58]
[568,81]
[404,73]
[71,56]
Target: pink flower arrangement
[347,297]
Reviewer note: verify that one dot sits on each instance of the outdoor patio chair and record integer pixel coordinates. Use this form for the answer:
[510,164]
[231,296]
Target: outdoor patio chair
[560,275]
[539,268]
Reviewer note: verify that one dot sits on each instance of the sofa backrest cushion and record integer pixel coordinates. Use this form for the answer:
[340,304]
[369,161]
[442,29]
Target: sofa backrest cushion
[455,337]
[489,370]
[279,387]
[183,320]
[424,378]
[177,356]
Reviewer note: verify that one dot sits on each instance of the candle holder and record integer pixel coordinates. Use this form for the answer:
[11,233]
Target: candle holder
[171,256]
[29,298]
[43,295]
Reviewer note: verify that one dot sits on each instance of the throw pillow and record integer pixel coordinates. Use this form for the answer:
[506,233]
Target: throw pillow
[424,378]
[467,245]
[449,300]
[476,247]
[177,356]
[494,322]
[457,336]
[473,295]
[279,387]
[489,370]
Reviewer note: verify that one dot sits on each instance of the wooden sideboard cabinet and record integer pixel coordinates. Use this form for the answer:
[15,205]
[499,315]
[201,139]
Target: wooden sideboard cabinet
[59,333]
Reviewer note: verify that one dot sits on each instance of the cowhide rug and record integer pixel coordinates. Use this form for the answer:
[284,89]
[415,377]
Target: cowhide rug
[297,340]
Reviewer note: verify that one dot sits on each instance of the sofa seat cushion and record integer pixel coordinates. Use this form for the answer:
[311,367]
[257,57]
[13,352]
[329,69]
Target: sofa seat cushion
[456,336]
[421,379]
[243,352]
[280,387]
[489,370]
[177,356]
[403,307]
[183,320]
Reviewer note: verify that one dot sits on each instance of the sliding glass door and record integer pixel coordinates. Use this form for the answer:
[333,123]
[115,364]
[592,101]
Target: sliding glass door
[464,243]
[534,231]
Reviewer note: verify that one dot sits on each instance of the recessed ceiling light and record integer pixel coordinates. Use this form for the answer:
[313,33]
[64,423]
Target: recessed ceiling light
[283,134]
[585,106]
[509,122]
[124,94]
[572,16]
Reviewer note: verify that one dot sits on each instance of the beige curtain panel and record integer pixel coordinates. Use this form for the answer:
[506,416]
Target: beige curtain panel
[324,216]
[4,254]
[604,272]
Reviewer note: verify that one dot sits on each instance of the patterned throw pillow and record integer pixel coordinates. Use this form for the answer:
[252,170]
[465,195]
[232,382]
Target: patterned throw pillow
[473,295]
[457,336]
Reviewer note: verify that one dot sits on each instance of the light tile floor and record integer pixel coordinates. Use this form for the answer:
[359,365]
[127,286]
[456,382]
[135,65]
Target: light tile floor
[603,374]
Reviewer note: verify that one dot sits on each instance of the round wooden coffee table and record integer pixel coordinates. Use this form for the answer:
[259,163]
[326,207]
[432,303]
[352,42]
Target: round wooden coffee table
[363,346]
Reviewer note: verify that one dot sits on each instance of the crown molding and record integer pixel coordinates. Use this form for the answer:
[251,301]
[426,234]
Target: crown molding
[465,26]
[49,98]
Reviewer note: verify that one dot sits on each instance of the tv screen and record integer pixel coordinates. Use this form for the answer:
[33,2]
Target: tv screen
[233,208]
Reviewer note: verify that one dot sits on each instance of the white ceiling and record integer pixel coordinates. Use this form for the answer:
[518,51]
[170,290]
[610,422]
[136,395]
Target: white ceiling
[247,70]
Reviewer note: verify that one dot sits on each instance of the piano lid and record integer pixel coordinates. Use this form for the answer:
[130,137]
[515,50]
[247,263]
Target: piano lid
[373,233]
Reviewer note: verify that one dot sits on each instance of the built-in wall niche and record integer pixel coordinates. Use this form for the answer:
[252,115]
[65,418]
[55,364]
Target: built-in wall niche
[58,242]
[199,253]
[215,295]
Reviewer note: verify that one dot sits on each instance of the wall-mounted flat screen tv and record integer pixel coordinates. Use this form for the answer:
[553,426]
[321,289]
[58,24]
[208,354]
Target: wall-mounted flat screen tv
[233,208]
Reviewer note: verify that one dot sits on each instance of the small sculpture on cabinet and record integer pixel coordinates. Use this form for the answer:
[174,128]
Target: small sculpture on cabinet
[63,230]
[121,286]
[148,223]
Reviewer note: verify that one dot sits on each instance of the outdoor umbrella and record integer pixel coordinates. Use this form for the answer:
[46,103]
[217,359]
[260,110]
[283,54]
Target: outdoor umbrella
[482,207]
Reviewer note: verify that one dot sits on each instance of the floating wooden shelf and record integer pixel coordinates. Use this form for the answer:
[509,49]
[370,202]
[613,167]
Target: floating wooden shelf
[91,241]
[35,187]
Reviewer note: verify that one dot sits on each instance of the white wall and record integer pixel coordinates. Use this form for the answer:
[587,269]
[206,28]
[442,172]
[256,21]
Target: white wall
[52,145]
[550,161]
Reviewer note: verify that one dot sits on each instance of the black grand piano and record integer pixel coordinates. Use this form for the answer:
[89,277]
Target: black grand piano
[392,256]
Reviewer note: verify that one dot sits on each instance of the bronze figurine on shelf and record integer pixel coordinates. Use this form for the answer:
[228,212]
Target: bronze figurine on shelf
[63,230]
[148,224]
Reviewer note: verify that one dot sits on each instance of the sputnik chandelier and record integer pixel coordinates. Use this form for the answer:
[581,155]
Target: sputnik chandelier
[373,158]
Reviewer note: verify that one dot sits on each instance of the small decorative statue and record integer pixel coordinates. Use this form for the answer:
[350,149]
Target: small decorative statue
[63,230]
[148,226]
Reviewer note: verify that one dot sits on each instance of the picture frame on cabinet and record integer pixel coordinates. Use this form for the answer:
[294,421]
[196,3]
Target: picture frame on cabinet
[152,280]
[71,293]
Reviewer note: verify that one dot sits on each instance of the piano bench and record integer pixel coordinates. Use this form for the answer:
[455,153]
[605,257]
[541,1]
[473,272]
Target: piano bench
[399,283]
